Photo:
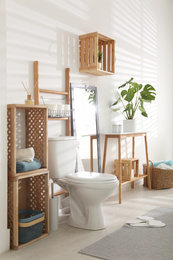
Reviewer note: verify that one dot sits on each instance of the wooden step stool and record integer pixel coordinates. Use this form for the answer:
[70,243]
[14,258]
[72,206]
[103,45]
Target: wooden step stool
[129,165]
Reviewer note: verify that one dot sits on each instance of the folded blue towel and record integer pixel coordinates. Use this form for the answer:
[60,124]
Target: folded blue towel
[28,166]
[168,162]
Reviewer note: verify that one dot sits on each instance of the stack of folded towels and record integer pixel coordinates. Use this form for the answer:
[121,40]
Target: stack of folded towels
[26,161]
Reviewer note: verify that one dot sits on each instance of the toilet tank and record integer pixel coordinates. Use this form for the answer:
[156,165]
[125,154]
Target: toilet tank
[61,155]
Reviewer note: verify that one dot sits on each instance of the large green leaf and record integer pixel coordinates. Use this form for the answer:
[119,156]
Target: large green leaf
[130,95]
[144,114]
[127,82]
[136,87]
[142,109]
[123,93]
[128,107]
[148,93]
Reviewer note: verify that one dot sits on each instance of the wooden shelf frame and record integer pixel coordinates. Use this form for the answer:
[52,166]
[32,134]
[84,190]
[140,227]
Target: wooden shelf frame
[25,192]
[120,137]
[65,93]
[90,44]
[35,133]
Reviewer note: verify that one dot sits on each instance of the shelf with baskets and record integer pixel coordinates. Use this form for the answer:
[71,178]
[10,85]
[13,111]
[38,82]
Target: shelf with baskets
[90,45]
[27,190]
[126,169]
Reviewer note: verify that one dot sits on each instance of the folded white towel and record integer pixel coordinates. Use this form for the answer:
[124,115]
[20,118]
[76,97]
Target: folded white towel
[26,154]
[165,166]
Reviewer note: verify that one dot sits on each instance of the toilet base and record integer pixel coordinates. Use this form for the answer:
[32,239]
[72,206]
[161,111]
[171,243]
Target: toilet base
[93,219]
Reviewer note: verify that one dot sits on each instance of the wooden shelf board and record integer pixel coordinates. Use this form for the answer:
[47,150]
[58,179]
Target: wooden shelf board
[32,241]
[23,175]
[141,176]
[60,193]
[96,71]
[53,92]
[58,118]
[25,106]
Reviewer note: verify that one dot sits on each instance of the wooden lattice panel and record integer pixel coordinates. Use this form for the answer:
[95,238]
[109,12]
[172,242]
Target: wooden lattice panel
[36,133]
[37,194]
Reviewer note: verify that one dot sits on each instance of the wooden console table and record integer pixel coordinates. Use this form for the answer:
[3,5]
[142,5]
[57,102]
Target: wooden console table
[120,137]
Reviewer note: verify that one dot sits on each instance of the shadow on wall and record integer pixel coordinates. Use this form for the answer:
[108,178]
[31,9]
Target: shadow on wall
[134,25]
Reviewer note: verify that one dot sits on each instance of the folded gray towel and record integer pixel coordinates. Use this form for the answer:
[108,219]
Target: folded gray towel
[28,166]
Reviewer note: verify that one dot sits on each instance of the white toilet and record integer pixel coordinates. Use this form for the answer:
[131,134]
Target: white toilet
[87,190]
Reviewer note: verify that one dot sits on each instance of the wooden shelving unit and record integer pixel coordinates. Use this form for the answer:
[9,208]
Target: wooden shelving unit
[65,93]
[27,190]
[119,138]
[90,44]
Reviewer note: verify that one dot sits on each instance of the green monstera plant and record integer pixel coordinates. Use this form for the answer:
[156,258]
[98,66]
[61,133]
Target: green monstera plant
[133,98]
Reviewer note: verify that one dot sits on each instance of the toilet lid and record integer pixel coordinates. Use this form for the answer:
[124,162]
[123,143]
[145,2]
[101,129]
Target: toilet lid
[90,177]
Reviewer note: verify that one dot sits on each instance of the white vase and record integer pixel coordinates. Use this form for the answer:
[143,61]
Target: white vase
[129,125]
[99,65]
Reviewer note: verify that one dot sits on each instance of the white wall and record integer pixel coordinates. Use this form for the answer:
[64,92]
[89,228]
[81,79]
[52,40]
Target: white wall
[4,233]
[48,31]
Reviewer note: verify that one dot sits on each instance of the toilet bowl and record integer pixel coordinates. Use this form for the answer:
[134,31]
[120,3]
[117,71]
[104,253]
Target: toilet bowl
[87,190]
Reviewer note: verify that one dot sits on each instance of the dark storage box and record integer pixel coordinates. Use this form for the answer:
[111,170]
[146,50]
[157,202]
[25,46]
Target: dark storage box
[30,225]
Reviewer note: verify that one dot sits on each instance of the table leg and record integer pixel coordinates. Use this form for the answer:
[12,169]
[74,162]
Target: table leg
[133,156]
[104,155]
[120,169]
[91,153]
[148,167]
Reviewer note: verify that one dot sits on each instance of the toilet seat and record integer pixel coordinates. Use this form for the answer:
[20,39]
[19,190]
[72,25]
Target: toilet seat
[90,177]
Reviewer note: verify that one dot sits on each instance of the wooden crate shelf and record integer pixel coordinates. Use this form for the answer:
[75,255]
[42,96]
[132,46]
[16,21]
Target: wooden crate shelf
[128,165]
[90,44]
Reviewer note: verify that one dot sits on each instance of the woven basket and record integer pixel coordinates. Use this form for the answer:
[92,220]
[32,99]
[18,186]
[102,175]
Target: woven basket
[160,178]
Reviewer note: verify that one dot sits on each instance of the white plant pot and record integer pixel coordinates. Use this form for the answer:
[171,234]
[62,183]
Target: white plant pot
[99,65]
[129,125]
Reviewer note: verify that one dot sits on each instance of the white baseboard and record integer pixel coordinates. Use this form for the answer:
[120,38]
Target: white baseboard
[4,240]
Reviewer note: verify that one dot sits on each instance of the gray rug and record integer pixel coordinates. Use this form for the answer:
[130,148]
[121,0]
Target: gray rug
[137,243]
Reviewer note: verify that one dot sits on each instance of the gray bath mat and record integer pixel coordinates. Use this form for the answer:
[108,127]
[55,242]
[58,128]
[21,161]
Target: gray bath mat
[137,243]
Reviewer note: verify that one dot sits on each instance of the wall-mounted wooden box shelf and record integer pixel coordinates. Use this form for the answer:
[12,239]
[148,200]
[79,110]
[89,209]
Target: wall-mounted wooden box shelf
[90,44]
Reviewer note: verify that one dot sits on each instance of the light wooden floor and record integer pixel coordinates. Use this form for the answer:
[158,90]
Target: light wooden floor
[65,243]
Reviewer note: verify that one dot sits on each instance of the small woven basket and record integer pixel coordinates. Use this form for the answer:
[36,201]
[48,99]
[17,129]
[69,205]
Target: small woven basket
[160,178]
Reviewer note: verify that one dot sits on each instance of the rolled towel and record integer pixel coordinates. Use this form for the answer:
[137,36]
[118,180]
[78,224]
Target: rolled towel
[23,166]
[165,166]
[167,162]
[26,155]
